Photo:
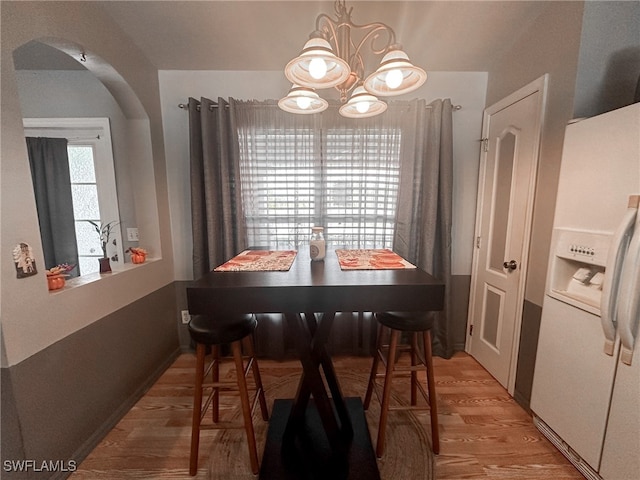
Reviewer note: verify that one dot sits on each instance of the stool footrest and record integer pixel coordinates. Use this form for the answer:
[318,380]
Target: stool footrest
[227,424]
[409,407]
[423,392]
[383,358]
[408,369]
[226,385]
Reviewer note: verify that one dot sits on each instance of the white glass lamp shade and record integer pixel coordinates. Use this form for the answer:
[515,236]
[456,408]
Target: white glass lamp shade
[317,66]
[396,75]
[362,104]
[302,100]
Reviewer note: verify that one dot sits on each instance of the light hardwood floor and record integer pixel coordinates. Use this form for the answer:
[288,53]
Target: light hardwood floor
[484,433]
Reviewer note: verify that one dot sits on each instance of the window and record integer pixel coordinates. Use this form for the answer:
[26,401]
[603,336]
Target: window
[86,206]
[92,179]
[362,171]
[345,179]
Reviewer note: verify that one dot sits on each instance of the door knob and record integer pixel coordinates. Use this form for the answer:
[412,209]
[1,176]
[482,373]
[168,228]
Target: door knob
[510,265]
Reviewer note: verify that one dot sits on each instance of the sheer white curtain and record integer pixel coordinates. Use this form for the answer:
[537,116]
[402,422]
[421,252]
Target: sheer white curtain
[279,168]
[298,171]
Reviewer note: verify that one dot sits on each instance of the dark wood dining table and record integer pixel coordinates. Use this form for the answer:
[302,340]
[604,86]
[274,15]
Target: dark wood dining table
[308,295]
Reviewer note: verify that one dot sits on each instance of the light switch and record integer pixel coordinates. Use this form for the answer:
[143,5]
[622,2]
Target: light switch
[132,234]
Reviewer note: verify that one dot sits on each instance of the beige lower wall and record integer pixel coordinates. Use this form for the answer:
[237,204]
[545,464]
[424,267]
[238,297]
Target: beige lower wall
[58,403]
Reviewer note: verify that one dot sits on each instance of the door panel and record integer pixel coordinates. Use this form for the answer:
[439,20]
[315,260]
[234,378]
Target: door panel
[493,308]
[502,200]
[503,223]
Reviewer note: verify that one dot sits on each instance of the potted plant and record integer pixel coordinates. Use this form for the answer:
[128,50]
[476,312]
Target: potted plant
[104,231]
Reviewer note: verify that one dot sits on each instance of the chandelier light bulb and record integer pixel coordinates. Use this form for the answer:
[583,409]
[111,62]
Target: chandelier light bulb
[363,107]
[303,102]
[382,82]
[317,68]
[362,104]
[394,78]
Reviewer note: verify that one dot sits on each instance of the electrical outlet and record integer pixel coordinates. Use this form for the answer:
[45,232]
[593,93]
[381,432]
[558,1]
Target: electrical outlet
[132,234]
[185,316]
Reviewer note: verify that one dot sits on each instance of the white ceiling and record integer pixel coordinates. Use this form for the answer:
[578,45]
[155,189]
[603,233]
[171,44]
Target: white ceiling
[265,35]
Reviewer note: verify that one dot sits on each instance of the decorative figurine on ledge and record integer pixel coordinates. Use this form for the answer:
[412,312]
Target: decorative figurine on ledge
[56,276]
[24,261]
[138,255]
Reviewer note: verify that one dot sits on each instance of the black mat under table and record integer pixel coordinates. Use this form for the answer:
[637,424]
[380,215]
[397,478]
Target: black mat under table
[310,456]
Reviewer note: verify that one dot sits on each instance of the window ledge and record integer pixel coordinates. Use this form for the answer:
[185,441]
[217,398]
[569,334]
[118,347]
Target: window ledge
[95,277]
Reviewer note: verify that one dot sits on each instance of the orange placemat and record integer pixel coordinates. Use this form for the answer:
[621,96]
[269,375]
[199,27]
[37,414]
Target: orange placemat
[371,259]
[259,261]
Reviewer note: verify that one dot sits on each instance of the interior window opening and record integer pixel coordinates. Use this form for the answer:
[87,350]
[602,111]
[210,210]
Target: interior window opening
[91,179]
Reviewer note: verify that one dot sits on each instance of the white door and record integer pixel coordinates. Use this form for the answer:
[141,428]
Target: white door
[511,131]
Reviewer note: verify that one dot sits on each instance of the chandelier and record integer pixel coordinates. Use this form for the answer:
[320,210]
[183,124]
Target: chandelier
[333,58]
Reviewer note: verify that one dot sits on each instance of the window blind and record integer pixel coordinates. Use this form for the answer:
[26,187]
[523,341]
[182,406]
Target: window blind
[344,179]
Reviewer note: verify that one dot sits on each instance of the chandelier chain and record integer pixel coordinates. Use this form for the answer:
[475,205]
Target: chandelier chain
[338,33]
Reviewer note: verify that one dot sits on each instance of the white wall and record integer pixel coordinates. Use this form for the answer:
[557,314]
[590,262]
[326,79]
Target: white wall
[467,89]
[32,317]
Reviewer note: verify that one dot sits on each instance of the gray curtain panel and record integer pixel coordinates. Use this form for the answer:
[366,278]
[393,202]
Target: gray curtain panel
[423,225]
[423,217]
[49,164]
[218,225]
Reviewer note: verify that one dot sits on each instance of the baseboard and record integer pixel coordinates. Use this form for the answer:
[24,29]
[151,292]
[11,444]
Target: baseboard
[92,442]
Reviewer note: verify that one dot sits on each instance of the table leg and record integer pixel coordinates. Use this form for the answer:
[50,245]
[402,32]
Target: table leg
[311,346]
[329,372]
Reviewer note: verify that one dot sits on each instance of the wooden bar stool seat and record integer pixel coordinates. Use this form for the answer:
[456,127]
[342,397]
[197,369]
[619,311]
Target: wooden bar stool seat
[213,332]
[416,324]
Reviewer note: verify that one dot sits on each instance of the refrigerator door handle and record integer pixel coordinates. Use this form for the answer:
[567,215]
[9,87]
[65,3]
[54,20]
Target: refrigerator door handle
[611,284]
[629,302]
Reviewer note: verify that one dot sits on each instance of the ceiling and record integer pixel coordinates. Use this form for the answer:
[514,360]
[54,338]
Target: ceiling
[265,35]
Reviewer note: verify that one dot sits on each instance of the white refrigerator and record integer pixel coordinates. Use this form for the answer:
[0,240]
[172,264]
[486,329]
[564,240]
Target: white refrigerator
[586,386]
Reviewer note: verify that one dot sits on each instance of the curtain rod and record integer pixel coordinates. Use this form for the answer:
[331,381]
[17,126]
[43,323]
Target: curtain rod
[78,139]
[69,139]
[185,106]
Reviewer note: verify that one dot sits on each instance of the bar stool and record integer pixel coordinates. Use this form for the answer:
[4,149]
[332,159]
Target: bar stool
[415,324]
[213,332]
